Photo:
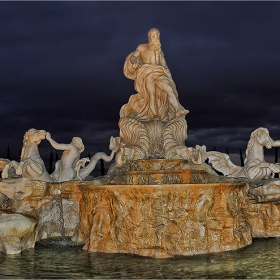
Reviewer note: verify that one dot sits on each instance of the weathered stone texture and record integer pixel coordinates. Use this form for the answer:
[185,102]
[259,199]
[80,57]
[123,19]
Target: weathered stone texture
[22,196]
[50,222]
[264,219]
[39,204]
[164,220]
[16,233]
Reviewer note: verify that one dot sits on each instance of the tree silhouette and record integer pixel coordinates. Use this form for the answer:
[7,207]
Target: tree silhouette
[276,160]
[8,153]
[102,168]
[51,163]
[241,158]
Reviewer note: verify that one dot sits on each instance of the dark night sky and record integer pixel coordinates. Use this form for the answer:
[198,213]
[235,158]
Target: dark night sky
[62,68]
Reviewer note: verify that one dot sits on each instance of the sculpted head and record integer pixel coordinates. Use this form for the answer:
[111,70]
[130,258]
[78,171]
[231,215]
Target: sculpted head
[153,36]
[34,136]
[78,142]
[261,136]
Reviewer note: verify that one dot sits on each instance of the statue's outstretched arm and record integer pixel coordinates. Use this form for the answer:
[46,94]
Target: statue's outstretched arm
[276,143]
[163,62]
[134,57]
[57,146]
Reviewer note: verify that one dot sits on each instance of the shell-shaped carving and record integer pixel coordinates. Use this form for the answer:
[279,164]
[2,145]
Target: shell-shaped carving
[135,136]
[175,134]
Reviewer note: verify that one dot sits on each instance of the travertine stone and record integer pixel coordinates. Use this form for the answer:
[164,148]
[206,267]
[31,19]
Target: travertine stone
[161,171]
[49,223]
[264,219]
[164,220]
[22,195]
[16,233]
[38,201]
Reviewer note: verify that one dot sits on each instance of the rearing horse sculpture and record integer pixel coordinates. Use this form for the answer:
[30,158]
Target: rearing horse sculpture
[31,164]
[255,166]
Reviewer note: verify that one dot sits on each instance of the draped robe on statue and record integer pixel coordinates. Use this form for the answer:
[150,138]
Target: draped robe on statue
[148,123]
[153,84]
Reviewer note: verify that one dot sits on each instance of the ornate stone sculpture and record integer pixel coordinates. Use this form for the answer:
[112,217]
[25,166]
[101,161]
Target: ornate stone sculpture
[31,164]
[70,166]
[152,124]
[70,162]
[255,166]
[114,147]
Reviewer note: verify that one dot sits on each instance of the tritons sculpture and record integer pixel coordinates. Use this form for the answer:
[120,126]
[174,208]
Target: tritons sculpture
[69,167]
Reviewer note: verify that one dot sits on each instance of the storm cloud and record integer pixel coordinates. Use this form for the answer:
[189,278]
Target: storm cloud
[62,68]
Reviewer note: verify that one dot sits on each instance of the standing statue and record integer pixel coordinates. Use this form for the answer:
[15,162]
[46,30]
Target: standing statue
[152,124]
[255,166]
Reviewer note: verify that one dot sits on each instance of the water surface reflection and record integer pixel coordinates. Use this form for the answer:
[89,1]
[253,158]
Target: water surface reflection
[259,260]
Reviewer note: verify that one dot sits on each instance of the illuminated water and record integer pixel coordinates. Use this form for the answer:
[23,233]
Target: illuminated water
[259,260]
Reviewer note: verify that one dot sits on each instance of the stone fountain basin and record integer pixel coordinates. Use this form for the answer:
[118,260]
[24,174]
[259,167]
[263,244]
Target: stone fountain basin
[165,220]
[150,220]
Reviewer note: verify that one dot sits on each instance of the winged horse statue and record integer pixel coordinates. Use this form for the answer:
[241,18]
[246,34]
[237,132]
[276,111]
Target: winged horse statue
[255,166]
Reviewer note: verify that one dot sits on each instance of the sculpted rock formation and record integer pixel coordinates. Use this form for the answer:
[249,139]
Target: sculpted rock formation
[255,166]
[16,233]
[32,210]
[166,220]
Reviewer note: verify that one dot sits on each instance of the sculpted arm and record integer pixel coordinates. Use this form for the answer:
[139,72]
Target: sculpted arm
[164,65]
[56,145]
[134,57]
[276,143]
[163,62]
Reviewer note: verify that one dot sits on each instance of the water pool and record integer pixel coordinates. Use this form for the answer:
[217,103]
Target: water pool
[259,260]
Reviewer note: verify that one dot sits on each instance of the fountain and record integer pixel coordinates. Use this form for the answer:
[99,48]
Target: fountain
[159,198]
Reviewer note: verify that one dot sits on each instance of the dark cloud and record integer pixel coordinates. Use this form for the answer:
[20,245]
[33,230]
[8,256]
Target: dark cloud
[62,68]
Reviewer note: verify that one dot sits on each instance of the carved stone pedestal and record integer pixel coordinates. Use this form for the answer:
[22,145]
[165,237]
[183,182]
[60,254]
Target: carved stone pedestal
[160,171]
[164,220]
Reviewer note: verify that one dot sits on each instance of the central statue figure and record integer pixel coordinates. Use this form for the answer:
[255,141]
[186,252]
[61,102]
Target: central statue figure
[157,97]
[152,124]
